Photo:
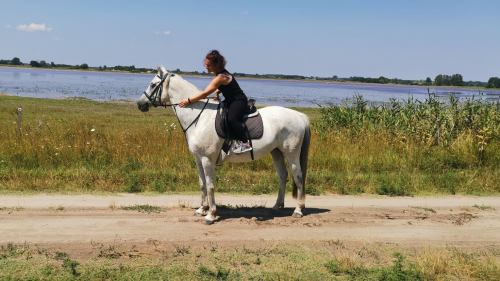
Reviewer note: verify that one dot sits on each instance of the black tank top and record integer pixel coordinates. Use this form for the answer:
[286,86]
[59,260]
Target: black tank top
[231,91]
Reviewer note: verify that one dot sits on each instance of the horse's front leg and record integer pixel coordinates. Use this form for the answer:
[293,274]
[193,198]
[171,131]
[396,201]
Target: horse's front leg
[209,170]
[203,186]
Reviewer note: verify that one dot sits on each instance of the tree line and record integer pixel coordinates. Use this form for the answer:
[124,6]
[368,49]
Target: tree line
[440,80]
[83,66]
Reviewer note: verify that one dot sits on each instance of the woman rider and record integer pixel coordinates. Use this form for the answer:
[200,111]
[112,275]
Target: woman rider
[235,99]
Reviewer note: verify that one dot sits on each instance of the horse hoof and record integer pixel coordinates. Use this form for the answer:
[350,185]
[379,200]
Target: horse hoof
[196,214]
[207,222]
[297,215]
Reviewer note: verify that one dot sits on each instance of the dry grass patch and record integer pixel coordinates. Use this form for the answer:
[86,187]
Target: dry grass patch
[315,260]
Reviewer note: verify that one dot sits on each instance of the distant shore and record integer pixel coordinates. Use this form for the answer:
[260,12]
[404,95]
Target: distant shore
[243,77]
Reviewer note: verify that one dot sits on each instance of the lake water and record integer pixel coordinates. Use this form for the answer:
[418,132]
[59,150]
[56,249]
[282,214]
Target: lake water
[103,86]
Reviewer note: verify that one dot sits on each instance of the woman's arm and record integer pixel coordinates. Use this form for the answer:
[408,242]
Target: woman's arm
[216,82]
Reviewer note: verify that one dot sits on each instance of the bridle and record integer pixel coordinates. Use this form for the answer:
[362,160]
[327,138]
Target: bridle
[157,93]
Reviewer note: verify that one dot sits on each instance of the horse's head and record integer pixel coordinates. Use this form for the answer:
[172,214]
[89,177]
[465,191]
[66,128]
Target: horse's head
[156,93]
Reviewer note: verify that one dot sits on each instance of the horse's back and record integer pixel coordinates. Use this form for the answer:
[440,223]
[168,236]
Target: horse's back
[284,127]
[283,118]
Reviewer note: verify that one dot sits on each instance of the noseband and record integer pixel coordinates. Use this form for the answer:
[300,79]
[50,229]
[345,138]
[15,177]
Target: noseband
[157,93]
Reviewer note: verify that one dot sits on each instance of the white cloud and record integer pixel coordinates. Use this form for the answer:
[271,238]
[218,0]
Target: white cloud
[163,32]
[8,26]
[34,27]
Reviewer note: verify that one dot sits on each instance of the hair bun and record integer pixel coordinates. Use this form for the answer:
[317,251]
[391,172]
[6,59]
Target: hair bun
[217,60]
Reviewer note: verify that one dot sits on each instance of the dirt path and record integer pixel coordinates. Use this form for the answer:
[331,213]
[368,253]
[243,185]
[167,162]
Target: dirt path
[73,220]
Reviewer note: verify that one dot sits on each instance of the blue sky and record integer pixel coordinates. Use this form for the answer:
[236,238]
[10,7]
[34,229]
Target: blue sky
[403,39]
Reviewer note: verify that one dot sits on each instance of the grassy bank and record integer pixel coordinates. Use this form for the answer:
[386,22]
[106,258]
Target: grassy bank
[78,145]
[325,260]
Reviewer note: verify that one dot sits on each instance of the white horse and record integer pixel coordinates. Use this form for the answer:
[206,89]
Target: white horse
[286,136]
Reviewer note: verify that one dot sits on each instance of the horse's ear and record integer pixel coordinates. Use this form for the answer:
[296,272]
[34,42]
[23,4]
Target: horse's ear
[158,66]
[163,69]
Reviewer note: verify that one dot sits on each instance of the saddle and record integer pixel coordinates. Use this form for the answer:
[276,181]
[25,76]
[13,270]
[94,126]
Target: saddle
[252,120]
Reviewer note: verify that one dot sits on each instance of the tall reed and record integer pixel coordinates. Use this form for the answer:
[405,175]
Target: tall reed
[433,121]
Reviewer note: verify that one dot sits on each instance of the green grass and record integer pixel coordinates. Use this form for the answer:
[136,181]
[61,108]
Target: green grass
[144,208]
[425,209]
[483,207]
[315,260]
[81,146]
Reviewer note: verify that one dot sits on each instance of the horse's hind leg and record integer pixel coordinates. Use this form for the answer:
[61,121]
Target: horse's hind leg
[298,180]
[203,186]
[280,165]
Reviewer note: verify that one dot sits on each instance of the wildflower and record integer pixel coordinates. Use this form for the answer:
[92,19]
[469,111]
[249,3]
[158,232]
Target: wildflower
[165,124]
[172,124]
[92,130]
[88,142]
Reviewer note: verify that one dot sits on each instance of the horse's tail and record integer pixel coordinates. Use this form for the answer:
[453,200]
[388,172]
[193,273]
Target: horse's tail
[304,154]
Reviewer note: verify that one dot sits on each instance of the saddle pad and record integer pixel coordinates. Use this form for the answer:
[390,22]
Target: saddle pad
[254,125]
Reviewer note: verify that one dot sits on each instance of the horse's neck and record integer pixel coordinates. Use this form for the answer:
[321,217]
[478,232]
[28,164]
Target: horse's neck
[180,90]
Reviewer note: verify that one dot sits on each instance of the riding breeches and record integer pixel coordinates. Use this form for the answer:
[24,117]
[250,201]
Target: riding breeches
[235,114]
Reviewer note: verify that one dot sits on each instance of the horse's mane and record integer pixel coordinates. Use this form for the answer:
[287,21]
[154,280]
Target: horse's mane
[185,84]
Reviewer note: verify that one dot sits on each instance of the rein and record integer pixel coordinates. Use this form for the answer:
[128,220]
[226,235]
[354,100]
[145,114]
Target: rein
[157,93]
[194,121]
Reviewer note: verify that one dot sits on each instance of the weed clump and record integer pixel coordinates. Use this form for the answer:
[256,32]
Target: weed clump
[392,189]
[71,265]
[482,207]
[159,186]
[144,208]
[134,184]
[220,273]
[397,272]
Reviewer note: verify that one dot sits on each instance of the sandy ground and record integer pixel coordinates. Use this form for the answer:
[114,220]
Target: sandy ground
[86,220]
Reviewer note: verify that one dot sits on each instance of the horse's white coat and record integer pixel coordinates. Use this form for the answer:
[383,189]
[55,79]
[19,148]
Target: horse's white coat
[286,136]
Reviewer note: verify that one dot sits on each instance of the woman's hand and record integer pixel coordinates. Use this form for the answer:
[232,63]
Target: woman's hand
[184,103]
[216,82]
[216,96]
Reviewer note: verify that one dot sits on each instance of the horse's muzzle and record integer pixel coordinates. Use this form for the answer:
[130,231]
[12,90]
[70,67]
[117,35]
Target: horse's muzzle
[144,107]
